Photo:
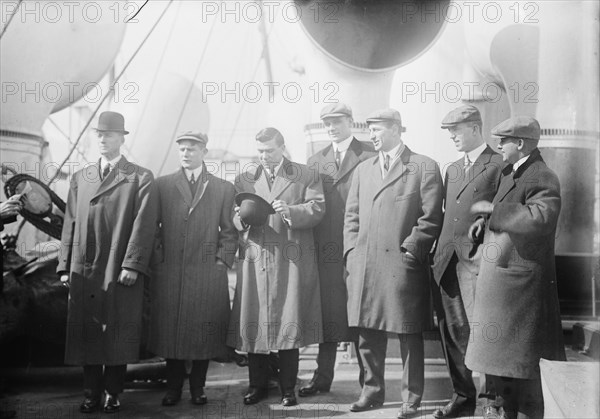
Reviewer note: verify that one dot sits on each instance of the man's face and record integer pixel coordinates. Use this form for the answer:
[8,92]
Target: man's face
[270,153]
[510,149]
[191,154]
[384,135]
[338,127]
[109,143]
[465,137]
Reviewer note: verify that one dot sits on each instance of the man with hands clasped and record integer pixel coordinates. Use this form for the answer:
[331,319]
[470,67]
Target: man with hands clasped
[105,252]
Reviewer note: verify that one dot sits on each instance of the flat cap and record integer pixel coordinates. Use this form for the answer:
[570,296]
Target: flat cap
[519,126]
[336,109]
[198,137]
[254,210]
[467,113]
[387,114]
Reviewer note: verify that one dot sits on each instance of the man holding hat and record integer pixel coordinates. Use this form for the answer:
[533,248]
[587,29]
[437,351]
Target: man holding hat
[516,315]
[277,303]
[474,177]
[335,164]
[393,216]
[189,294]
[106,247]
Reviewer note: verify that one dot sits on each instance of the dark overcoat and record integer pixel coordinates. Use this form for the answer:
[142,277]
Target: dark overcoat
[516,320]
[387,288]
[329,235]
[189,293]
[108,226]
[277,303]
[461,190]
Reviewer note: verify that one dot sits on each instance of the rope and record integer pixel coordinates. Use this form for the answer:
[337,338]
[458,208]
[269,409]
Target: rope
[11,18]
[187,97]
[87,124]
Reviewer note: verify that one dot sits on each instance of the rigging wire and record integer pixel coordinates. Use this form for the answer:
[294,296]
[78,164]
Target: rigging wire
[11,18]
[189,93]
[158,67]
[64,134]
[89,121]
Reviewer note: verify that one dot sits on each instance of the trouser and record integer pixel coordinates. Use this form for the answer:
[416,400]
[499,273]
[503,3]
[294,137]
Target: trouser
[97,378]
[372,345]
[453,321]
[258,369]
[176,374]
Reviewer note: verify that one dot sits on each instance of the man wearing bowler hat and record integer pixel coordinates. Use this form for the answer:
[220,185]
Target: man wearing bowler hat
[516,301]
[393,216]
[335,164]
[277,304]
[189,292]
[474,177]
[106,246]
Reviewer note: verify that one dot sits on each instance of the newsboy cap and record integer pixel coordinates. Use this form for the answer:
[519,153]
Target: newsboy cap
[198,137]
[336,109]
[519,126]
[466,113]
[387,114]
[111,121]
[254,210]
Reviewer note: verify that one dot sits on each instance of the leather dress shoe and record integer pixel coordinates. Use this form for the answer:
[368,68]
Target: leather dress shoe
[198,396]
[89,405]
[254,395]
[407,410]
[171,398]
[455,409]
[111,403]
[312,388]
[364,403]
[289,399]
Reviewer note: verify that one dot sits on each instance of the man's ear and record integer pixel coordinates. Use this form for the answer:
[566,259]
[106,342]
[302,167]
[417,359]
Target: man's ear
[521,144]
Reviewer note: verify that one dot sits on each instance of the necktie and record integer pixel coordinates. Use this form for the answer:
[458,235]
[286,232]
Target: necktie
[386,163]
[468,163]
[105,171]
[272,176]
[192,179]
[338,158]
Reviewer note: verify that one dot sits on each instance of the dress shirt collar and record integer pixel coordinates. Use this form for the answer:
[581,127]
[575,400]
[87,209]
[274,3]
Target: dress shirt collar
[112,162]
[343,145]
[197,173]
[520,162]
[475,153]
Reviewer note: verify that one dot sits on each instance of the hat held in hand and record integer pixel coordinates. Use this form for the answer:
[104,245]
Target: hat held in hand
[254,210]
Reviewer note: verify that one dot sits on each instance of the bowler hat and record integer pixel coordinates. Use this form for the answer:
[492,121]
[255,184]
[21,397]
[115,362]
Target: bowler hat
[111,121]
[336,109]
[519,126]
[467,113]
[198,137]
[254,210]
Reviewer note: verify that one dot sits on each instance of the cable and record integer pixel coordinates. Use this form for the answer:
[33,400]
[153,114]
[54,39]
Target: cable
[11,18]
[108,93]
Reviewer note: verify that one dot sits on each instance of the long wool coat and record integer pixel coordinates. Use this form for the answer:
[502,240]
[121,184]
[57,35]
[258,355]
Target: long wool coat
[329,235]
[516,319]
[108,226]
[189,294]
[277,302]
[387,288]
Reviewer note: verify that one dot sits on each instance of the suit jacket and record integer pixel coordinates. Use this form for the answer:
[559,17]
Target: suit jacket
[516,315]
[189,293]
[329,235]
[388,289]
[277,303]
[109,225]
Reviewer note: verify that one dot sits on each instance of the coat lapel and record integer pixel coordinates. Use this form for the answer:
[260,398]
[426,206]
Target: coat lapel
[507,183]
[397,170]
[184,188]
[261,184]
[200,189]
[350,161]
[477,169]
[282,180]
[115,177]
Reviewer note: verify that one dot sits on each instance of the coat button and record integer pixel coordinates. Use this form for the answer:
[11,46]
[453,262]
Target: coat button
[455,219]
[458,201]
[262,269]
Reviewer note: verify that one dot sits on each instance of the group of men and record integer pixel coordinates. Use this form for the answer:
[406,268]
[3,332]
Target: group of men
[338,250]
